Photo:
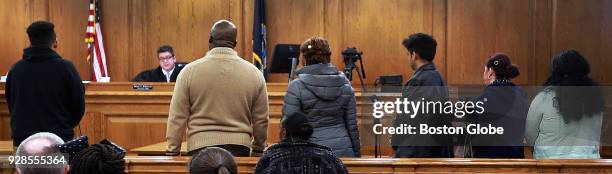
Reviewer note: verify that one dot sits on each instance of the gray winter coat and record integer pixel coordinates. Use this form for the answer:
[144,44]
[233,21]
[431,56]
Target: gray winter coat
[327,98]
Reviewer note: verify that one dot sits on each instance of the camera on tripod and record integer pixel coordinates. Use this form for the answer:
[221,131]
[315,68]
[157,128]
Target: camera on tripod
[351,56]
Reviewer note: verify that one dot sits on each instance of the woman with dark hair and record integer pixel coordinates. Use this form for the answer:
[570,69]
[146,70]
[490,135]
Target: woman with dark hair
[296,154]
[327,98]
[213,160]
[505,105]
[565,118]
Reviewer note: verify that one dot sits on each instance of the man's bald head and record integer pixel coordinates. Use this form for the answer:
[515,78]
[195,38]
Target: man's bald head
[41,144]
[223,34]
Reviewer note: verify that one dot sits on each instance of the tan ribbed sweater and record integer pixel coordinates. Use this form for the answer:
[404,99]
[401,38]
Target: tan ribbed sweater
[219,99]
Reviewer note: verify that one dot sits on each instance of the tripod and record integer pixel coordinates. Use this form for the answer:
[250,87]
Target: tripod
[352,55]
[349,66]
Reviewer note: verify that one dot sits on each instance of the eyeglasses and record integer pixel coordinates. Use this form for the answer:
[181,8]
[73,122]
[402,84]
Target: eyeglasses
[165,58]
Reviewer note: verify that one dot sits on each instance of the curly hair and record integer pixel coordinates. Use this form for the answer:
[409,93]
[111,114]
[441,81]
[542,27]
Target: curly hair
[98,159]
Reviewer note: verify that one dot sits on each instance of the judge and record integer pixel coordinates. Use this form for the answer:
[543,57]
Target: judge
[167,71]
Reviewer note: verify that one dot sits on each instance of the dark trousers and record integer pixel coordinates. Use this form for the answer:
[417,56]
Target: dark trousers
[236,150]
[499,152]
[423,152]
[18,140]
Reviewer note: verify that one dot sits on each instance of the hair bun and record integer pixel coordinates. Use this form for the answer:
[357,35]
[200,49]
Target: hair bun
[512,71]
[502,65]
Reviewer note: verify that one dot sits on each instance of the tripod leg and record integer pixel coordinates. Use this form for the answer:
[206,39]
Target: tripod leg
[360,79]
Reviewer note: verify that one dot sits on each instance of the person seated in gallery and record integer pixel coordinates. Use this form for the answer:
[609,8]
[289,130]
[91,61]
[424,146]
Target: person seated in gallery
[565,118]
[296,153]
[98,159]
[43,144]
[213,160]
[506,106]
[168,68]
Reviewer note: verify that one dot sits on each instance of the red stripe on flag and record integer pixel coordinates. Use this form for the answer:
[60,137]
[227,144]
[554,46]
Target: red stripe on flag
[98,57]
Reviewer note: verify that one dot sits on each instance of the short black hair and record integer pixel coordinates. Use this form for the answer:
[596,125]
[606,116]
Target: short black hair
[422,44]
[41,34]
[165,48]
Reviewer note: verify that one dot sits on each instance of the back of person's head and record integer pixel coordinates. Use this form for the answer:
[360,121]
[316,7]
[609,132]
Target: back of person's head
[41,144]
[223,34]
[41,34]
[502,66]
[165,48]
[98,159]
[422,44]
[213,160]
[577,94]
[315,50]
[296,126]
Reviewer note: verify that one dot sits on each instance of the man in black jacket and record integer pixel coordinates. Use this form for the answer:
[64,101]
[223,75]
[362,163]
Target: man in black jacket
[167,71]
[44,92]
[426,84]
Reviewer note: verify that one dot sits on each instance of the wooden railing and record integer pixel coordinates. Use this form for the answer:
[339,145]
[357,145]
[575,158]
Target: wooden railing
[163,164]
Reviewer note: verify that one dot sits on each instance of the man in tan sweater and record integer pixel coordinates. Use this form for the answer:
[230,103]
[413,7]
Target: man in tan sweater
[220,99]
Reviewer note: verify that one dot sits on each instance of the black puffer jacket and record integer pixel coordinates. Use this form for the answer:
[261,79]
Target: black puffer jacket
[293,155]
[328,99]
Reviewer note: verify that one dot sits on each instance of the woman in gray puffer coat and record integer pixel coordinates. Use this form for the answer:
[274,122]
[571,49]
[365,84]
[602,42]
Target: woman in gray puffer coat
[327,98]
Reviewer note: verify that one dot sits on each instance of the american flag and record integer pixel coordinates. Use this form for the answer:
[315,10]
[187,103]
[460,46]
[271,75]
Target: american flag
[95,47]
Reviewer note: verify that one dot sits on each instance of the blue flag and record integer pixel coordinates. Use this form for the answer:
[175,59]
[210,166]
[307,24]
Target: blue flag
[259,36]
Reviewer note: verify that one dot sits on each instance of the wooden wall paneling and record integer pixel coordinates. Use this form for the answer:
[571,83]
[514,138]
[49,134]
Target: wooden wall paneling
[116,30]
[479,28]
[13,18]
[293,21]
[333,29]
[70,19]
[378,28]
[36,10]
[236,15]
[247,30]
[183,24]
[541,41]
[439,29]
[137,38]
[585,26]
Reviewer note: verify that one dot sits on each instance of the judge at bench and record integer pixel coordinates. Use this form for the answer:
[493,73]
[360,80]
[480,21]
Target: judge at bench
[167,71]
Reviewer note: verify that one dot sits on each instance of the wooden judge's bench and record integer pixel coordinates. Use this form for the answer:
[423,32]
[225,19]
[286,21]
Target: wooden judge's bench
[136,120]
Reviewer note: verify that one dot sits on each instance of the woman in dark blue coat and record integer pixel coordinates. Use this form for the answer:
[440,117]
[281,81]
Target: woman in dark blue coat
[506,106]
